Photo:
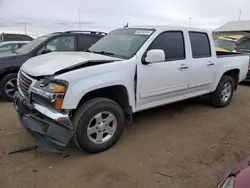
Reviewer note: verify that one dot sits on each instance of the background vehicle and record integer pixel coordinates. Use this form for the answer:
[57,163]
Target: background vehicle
[90,95]
[236,43]
[237,178]
[11,46]
[14,37]
[60,41]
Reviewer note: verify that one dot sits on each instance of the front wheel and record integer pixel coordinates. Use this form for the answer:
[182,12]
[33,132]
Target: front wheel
[98,123]
[224,92]
[8,86]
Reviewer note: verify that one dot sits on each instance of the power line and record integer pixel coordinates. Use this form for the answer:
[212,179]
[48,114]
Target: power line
[25,30]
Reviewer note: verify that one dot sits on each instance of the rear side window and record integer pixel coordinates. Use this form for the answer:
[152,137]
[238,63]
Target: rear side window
[200,44]
[244,46]
[86,41]
[172,43]
[21,44]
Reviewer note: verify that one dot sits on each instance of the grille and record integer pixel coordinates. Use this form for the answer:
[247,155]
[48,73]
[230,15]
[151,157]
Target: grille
[24,84]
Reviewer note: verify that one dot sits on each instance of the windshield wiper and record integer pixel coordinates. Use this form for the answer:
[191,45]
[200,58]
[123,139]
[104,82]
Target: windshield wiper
[102,52]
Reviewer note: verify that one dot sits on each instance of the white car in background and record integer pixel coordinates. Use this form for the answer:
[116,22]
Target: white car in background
[11,46]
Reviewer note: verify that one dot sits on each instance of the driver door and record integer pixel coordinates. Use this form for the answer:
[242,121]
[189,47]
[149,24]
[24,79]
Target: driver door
[163,82]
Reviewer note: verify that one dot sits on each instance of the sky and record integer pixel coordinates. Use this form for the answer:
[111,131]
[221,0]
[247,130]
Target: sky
[45,16]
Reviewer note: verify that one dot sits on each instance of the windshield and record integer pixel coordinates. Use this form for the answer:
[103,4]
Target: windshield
[226,44]
[5,47]
[32,44]
[122,43]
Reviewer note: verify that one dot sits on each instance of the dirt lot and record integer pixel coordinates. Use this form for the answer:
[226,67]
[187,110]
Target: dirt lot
[189,144]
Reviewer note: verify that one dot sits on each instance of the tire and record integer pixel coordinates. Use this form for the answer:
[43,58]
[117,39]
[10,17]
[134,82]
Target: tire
[8,86]
[218,99]
[87,116]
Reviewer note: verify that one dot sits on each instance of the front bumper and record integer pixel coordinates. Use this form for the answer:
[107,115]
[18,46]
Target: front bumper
[51,130]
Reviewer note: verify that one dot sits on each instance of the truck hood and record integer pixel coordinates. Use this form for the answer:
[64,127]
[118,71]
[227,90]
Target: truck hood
[51,63]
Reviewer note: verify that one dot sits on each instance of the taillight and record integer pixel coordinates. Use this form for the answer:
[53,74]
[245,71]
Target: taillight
[249,65]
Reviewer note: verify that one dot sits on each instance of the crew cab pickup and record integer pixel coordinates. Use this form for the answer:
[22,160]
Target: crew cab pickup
[89,96]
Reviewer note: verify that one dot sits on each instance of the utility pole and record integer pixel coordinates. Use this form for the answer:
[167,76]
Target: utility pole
[239,15]
[190,19]
[126,25]
[25,30]
[79,18]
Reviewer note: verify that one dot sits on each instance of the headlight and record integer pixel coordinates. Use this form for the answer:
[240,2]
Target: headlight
[49,93]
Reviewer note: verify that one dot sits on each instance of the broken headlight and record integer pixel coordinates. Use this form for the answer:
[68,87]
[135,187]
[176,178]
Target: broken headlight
[49,93]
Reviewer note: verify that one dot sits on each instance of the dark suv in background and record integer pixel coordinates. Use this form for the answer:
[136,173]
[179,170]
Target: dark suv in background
[60,41]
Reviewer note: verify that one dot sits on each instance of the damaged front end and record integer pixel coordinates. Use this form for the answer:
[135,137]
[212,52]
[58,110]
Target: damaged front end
[40,114]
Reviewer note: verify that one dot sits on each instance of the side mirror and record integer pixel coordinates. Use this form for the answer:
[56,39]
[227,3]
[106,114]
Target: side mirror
[154,56]
[45,51]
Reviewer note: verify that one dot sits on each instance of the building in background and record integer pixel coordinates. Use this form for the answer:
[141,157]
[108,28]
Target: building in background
[233,37]
[233,28]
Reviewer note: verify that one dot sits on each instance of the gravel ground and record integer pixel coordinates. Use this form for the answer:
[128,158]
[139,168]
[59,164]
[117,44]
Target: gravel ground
[188,144]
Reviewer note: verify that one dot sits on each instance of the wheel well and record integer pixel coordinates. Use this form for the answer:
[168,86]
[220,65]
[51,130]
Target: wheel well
[116,93]
[8,71]
[234,74]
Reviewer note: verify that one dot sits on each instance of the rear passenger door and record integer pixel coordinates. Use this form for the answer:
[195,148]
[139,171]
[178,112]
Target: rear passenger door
[203,65]
[84,42]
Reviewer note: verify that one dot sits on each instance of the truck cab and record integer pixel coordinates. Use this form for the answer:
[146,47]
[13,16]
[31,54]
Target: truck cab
[89,96]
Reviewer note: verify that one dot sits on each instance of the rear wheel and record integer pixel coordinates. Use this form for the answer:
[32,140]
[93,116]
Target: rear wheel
[99,123]
[224,92]
[8,86]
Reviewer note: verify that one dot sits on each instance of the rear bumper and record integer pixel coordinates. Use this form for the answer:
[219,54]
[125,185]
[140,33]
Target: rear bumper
[248,77]
[49,132]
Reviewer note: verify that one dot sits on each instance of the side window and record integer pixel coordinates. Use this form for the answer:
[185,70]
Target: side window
[200,45]
[86,41]
[21,44]
[14,47]
[248,45]
[244,46]
[65,43]
[172,43]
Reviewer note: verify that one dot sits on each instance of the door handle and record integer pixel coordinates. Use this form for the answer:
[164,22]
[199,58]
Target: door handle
[210,63]
[183,67]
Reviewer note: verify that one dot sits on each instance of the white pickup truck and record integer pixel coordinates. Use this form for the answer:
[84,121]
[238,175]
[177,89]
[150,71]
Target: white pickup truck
[89,96]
